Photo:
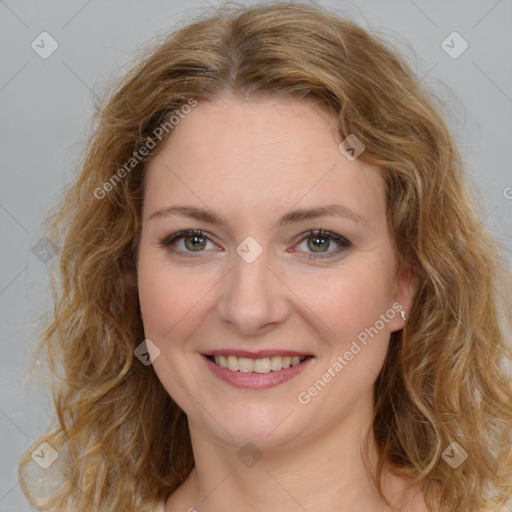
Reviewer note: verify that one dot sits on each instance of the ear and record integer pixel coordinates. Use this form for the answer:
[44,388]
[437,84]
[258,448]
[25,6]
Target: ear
[405,286]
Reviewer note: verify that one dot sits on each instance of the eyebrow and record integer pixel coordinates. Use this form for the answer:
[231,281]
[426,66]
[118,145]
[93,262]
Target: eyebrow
[298,215]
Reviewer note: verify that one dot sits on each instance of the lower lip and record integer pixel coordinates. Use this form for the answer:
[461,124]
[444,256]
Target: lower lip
[252,380]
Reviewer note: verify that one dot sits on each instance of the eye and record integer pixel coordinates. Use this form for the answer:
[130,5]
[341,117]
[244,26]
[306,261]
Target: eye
[188,241]
[319,242]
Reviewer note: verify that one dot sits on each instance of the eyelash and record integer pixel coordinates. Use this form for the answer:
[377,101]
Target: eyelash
[343,243]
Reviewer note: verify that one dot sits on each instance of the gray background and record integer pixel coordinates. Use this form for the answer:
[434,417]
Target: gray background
[47,104]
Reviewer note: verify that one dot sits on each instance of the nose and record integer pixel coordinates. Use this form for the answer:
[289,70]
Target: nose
[252,298]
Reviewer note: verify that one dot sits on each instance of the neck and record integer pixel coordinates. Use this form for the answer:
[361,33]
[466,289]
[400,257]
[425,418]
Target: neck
[326,472]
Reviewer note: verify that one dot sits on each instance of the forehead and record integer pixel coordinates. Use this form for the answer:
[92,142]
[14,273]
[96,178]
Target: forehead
[272,152]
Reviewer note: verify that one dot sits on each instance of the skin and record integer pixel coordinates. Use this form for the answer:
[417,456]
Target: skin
[251,161]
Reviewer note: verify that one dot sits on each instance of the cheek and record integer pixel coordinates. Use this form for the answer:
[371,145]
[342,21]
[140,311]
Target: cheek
[166,295]
[349,300]
[350,304]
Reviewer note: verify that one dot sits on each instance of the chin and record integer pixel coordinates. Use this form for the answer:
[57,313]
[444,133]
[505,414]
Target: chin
[266,425]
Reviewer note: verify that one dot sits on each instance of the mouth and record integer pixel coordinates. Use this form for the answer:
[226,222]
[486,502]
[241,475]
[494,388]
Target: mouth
[261,365]
[256,370]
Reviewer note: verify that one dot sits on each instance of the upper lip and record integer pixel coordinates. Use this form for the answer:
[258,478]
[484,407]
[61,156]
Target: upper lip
[260,354]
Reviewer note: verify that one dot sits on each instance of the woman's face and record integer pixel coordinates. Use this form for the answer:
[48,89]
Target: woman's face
[255,286]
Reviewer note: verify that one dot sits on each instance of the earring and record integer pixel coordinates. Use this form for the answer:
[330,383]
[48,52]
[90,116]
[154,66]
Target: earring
[402,314]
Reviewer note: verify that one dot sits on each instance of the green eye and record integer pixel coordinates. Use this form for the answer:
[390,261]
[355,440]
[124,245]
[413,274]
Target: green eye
[319,242]
[193,240]
[315,242]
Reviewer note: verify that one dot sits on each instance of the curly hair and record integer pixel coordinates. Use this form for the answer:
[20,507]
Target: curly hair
[122,440]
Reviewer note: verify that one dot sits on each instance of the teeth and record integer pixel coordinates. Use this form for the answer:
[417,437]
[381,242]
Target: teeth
[233,363]
[263,365]
[245,365]
[276,363]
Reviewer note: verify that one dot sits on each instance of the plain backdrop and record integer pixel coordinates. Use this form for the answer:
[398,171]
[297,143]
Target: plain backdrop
[47,103]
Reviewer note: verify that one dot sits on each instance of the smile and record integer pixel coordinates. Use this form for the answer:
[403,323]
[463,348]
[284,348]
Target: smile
[261,365]
[248,371]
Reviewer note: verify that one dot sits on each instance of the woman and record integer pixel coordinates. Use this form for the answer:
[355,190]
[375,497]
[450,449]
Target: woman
[275,294]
